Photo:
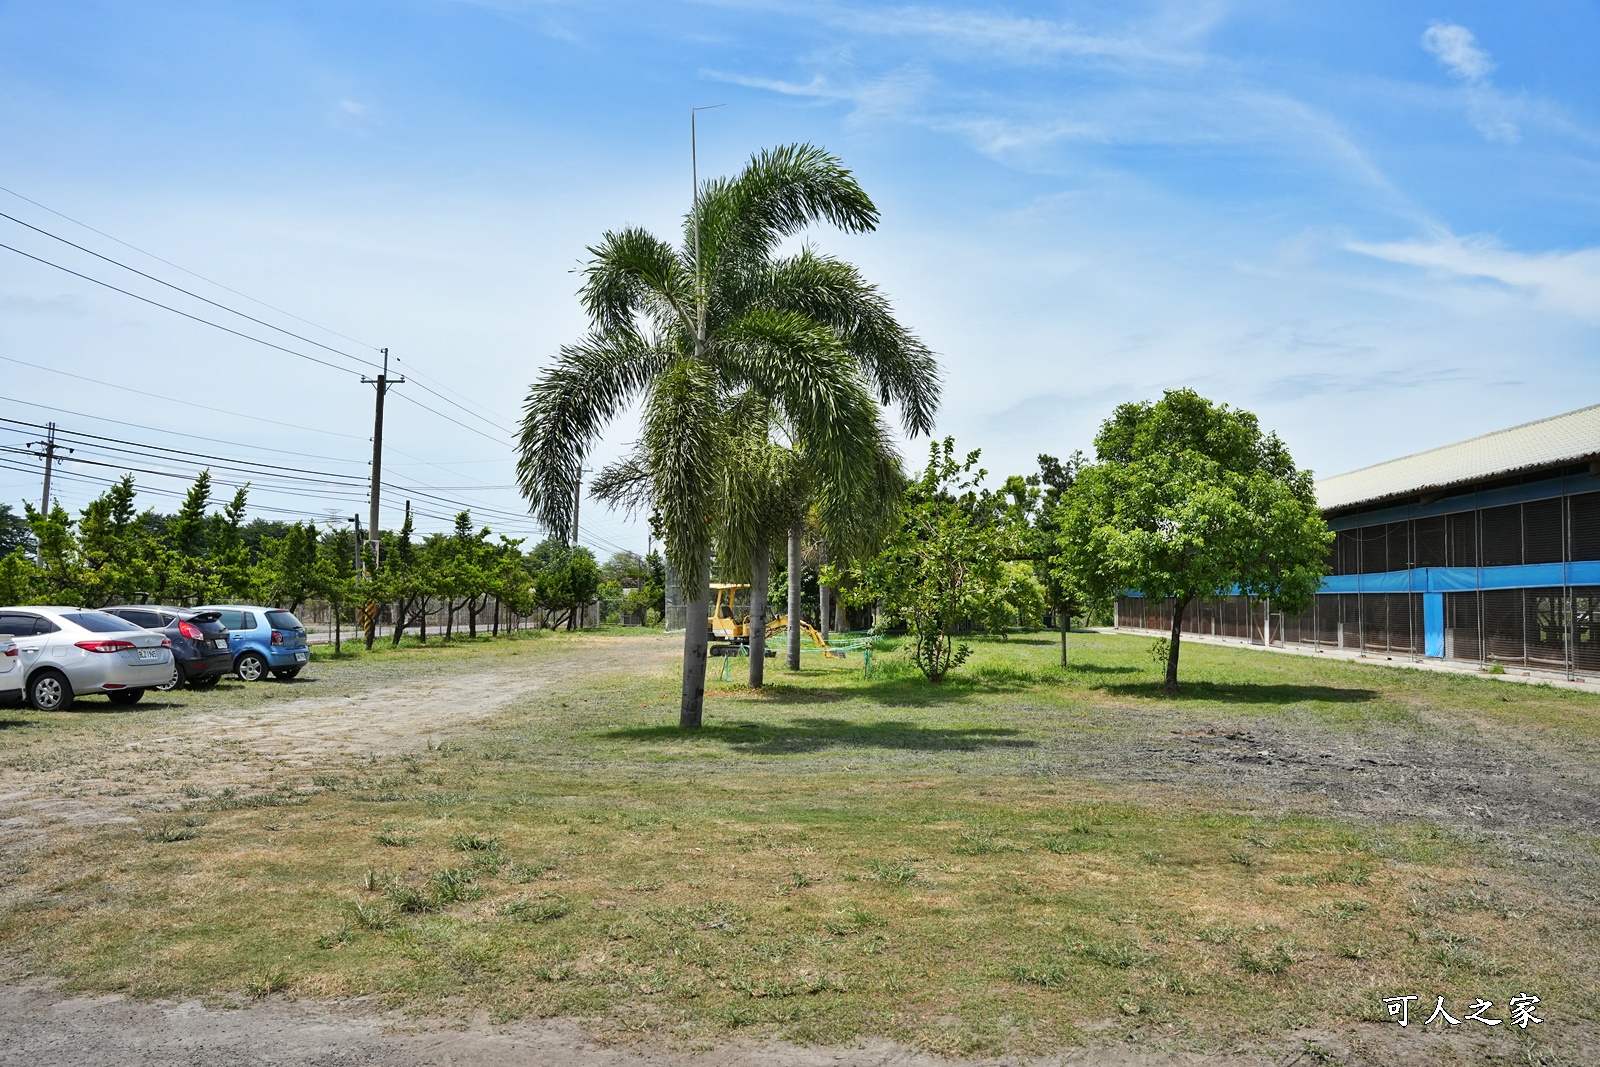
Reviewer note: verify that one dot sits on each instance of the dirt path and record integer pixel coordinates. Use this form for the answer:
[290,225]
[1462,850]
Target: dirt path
[43,1027]
[103,777]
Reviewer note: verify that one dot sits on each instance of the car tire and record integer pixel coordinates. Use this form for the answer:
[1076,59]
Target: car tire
[205,681]
[176,683]
[125,696]
[49,691]
[286,673]
[250,667]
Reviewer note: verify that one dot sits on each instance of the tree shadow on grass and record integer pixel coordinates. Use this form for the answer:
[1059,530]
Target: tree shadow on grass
[814,734]
[1243,693]
[16,724]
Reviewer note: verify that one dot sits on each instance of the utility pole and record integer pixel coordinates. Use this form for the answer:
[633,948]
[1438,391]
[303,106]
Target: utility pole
[357,520]
[383,382]
[50,448]
[577,501]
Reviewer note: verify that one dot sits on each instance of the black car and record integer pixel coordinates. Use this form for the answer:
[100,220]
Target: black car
[200,652]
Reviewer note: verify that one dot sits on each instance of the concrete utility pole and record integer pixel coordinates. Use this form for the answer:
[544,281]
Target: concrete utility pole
[383,382]
[50,448]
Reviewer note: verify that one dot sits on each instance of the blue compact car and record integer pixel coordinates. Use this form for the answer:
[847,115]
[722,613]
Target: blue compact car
[263,641]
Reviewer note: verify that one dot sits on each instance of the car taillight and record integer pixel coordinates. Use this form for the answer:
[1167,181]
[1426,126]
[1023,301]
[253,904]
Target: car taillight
[12,651]
[191,631]
[166,642]
[277,637]
[105,646]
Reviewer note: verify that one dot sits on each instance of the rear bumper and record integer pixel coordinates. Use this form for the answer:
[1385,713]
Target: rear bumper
[109,672]
[280,656]
[217,663]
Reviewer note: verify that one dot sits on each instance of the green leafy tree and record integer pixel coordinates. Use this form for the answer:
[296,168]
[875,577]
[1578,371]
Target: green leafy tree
[115,550]
[682,331]
[1188,498]
[945,566]
[61,575]
[566,579]
[288,574]
[14,533]
[17,577]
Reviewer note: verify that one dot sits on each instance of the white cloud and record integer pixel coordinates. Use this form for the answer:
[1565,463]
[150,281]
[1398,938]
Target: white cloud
[1457,51]
[1566,281]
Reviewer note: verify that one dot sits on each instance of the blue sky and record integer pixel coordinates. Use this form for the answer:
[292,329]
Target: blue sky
[1375,224]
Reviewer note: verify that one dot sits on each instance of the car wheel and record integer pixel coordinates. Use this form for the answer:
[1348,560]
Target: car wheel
[126,696]
[175,682]
[250,667]
[286,673]
[49,691]
[207,681]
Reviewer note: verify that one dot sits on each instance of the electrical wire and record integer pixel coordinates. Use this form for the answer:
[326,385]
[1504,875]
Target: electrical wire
[186,292]
[174,400]
[169,307]
[185,270]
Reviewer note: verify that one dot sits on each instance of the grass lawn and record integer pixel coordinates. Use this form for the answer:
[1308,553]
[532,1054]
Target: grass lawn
[1022,859]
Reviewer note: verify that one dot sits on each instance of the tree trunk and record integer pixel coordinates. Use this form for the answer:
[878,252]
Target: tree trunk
[696,633]
[759,571]
[1173,641]
[494,622]
[824,596]
[335,629]
[1064,621]
[422,622]
[795,581]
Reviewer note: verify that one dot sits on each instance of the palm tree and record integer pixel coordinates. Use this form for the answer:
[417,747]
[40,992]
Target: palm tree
[697,334]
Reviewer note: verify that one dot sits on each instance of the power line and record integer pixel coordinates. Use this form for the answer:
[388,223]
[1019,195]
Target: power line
[174,400]
[186,270]
[175,311]
[442,415]
[181,433]
[186,292]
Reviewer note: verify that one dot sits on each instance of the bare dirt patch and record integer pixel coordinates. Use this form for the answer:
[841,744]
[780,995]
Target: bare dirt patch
[106,775]
[48,1028]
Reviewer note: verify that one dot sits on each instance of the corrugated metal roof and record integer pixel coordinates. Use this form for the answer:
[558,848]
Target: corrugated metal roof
[1567,438]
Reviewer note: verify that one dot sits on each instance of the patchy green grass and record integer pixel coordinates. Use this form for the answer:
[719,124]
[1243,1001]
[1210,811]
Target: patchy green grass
[833,857]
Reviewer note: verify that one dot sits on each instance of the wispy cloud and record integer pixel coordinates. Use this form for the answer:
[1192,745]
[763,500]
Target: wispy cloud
[1458,52]
[894,95]
[1566,281]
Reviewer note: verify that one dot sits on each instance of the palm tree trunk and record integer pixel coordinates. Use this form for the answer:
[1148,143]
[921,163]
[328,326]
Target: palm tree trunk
[695,633]
[824,597]
[759,572]
[795,580]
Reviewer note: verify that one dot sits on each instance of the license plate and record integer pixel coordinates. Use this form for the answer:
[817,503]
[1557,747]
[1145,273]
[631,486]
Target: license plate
[300,657]
[149,653]
[220,642]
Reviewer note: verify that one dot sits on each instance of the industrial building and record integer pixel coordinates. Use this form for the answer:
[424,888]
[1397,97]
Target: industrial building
[1483,552]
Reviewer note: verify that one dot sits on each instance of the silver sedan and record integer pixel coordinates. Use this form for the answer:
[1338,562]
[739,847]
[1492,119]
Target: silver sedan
[70,652]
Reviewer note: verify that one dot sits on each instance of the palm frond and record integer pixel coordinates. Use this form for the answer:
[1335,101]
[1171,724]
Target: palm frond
[589,384]
[833,292]
[625,484]
[820,392]
[682,427]
[632,272]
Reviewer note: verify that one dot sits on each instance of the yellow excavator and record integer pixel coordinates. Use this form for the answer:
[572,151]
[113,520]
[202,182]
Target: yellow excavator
[727,627]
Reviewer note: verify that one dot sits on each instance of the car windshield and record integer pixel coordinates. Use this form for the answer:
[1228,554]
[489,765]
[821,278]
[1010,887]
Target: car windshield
[282,620]
[99,622]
